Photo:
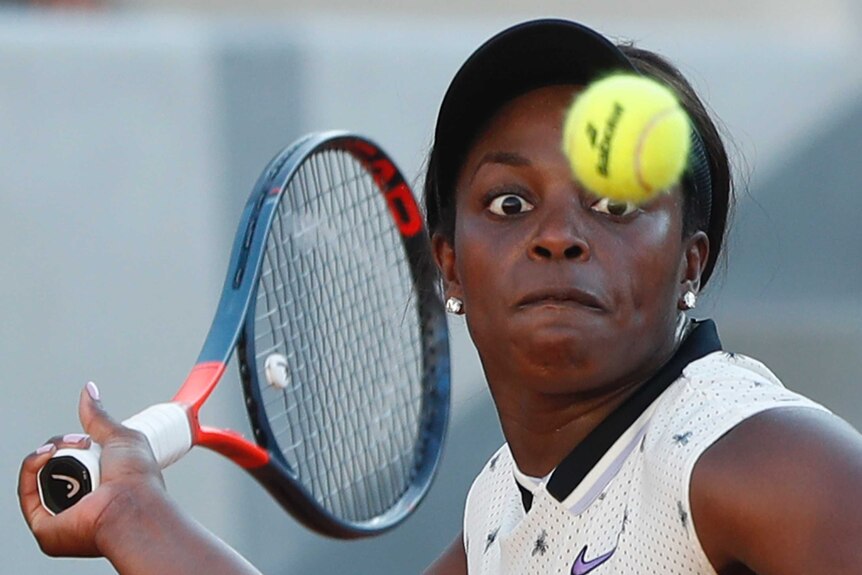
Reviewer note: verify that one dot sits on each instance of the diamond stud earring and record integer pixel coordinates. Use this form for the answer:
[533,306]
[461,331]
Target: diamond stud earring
[454,306]
[689,300]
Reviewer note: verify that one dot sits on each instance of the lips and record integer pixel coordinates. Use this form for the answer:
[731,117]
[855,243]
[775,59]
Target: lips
[565,296]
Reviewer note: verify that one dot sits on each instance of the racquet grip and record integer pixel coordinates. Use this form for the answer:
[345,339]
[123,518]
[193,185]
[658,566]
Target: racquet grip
[73,473]
[166,426]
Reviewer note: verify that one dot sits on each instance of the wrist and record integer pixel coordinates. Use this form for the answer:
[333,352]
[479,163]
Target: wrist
[134,515]
[142,531]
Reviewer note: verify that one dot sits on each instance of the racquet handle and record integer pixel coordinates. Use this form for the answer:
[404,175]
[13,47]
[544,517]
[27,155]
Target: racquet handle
[73,473]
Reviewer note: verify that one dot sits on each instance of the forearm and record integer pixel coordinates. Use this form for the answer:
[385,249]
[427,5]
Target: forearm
[453,561]
[150,534]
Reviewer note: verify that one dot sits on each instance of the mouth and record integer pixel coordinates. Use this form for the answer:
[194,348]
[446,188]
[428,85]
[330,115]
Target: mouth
[561,297]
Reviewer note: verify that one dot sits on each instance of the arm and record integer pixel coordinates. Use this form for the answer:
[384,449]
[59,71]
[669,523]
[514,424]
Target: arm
[129,519]
[453,561]
[779,495]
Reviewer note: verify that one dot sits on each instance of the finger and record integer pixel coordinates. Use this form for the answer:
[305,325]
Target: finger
[93,416]
[28,478]
[28,487]
[56,535]
[76,440]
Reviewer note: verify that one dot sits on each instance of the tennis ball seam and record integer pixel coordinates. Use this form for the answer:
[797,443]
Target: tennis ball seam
[642,138]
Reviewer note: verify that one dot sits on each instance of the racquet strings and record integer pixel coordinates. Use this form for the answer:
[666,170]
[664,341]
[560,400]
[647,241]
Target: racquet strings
[335,298]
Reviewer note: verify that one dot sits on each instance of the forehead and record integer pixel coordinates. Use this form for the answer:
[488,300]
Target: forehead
[533,117]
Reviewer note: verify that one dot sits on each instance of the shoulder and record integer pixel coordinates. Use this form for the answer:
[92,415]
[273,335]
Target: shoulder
[732,375]
[721,389]
[712,396]
[778,492]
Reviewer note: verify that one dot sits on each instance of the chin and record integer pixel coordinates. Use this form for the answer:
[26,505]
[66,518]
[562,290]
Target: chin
[561,327]
[560,347]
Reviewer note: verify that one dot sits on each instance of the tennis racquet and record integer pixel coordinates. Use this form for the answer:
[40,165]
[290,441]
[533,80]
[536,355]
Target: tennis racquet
[331,304]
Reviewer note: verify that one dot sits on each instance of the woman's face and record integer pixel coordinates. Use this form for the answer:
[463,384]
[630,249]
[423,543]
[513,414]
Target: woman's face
[562,290]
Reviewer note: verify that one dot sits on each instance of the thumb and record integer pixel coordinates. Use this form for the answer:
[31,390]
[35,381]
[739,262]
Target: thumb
[95,420]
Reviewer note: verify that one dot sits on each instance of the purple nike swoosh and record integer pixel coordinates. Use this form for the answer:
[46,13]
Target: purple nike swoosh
[582,567]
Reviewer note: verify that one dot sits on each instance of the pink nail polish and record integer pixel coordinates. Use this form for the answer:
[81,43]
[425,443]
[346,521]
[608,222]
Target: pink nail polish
[74,437]
[93,391]
[45,448]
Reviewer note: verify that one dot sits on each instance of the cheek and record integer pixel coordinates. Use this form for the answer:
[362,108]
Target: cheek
[654,266]
[485,261]
[479,281]
[479,260]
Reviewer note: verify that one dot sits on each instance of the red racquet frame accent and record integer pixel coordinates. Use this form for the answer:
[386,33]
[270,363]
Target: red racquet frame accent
[194,392]
[232,445]
[200,384]
[399,198]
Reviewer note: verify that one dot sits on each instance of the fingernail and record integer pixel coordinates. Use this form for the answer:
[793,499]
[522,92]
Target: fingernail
[74,437]
[93,391]
[45,448]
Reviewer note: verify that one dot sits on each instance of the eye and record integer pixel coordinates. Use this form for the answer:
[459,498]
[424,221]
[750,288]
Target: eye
[614,207]
[509,205]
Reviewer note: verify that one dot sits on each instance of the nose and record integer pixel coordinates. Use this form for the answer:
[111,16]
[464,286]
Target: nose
[559,236]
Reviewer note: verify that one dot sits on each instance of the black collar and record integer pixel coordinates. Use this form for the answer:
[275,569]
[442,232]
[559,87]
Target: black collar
[702,341]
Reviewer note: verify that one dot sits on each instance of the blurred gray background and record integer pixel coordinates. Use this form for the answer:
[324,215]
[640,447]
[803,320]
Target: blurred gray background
[131,133]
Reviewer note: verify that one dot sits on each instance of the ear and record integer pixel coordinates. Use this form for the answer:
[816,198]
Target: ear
[444,256]
[692,265]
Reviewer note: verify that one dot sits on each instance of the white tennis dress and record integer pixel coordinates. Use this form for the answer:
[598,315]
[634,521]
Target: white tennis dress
[619,504]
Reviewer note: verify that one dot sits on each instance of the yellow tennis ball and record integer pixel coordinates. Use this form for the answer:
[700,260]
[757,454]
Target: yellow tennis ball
[627,138]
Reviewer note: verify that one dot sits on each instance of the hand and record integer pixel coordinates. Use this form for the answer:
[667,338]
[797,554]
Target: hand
[129,476]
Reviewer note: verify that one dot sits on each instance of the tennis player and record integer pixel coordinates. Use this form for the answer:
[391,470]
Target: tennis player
[634,442]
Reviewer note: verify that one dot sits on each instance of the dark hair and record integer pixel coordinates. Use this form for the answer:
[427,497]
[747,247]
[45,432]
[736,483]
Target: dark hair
[700,211]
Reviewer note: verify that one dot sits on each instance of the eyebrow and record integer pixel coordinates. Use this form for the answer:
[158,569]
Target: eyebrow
[507,158]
